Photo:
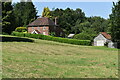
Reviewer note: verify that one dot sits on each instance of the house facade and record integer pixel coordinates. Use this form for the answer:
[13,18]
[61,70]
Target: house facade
[104,39]
[45,26]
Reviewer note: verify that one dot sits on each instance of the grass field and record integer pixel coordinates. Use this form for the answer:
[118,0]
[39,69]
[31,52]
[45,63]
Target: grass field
[47,59]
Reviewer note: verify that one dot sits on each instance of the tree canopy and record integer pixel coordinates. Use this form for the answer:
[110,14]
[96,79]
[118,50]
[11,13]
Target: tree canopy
[25,12]
[7,17]
[115,22]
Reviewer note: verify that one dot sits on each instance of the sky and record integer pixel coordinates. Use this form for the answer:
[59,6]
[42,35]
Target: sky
[100,8]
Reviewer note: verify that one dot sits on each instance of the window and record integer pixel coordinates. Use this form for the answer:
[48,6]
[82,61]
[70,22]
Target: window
[32,28]
[44,28]
[38,28]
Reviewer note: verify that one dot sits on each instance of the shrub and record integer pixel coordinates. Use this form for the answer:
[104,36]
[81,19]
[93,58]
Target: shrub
[51,38]
[4,33]
[84,36]
[21,29]
[52,34]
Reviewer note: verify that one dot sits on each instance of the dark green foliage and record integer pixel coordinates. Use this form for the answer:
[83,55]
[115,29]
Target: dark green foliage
[67,18]
[30,13]
[115,22]
[52,33]
[74,21]
[21,29]
[99,24]
[7,18]
[25,12]
[84,36]
[51,38]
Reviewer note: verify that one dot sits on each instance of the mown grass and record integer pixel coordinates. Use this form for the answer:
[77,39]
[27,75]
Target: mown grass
[48,59]
[0,60]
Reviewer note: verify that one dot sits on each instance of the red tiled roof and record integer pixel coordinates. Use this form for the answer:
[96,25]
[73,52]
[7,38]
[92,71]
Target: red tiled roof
[42,21]
[107,36]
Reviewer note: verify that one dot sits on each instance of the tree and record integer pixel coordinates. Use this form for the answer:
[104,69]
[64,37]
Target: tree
[7,17]
[46,12]
[25,12]
[86,34]
[19,12]
[67,18]
[115,22]
[30,13]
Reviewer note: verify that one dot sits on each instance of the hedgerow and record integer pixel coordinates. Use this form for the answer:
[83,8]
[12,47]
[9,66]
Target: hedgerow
[51,38]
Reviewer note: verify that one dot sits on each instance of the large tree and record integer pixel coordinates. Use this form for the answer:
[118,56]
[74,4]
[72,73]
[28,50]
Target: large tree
[30,13]
[19,12]
[115,22]
[67,18]
[7,17]
[25,12]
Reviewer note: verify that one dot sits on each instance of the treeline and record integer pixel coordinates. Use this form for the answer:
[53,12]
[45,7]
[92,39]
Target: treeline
[75,21]
[18,14]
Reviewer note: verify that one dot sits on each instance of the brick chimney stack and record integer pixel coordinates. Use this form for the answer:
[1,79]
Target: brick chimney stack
[55,20]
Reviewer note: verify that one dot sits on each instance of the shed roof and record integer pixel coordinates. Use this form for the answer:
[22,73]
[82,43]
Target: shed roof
[107,36]
[71,35]
[42,21]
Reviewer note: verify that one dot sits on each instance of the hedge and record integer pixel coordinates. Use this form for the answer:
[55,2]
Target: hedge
[51,38]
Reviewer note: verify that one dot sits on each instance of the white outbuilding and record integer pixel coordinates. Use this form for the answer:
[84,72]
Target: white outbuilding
[104,39]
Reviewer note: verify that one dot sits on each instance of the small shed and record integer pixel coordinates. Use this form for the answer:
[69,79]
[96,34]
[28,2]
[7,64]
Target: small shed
[104,39]
[71,35]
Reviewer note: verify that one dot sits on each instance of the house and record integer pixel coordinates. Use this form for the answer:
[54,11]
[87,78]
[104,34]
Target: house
[45,26]
[104,39]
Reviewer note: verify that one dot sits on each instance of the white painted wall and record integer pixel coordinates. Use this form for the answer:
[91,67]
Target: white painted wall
[100,40]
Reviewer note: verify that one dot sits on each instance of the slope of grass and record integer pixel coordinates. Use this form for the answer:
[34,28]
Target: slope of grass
[0,60]
[48,59]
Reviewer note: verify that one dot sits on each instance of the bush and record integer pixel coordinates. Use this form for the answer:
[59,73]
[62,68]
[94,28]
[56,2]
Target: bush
[51,38]
[52,34]
[21,29]
[84,36]
[4,33]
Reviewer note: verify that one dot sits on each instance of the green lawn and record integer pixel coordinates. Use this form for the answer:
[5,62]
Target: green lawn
[48,59]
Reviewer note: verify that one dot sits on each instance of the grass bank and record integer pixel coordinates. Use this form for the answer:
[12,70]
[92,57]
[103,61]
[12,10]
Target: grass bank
[48,59]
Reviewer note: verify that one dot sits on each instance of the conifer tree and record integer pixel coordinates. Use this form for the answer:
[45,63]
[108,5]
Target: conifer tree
[115,22]
[7,17]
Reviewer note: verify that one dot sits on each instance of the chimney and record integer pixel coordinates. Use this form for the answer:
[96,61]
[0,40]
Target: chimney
[55,20]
